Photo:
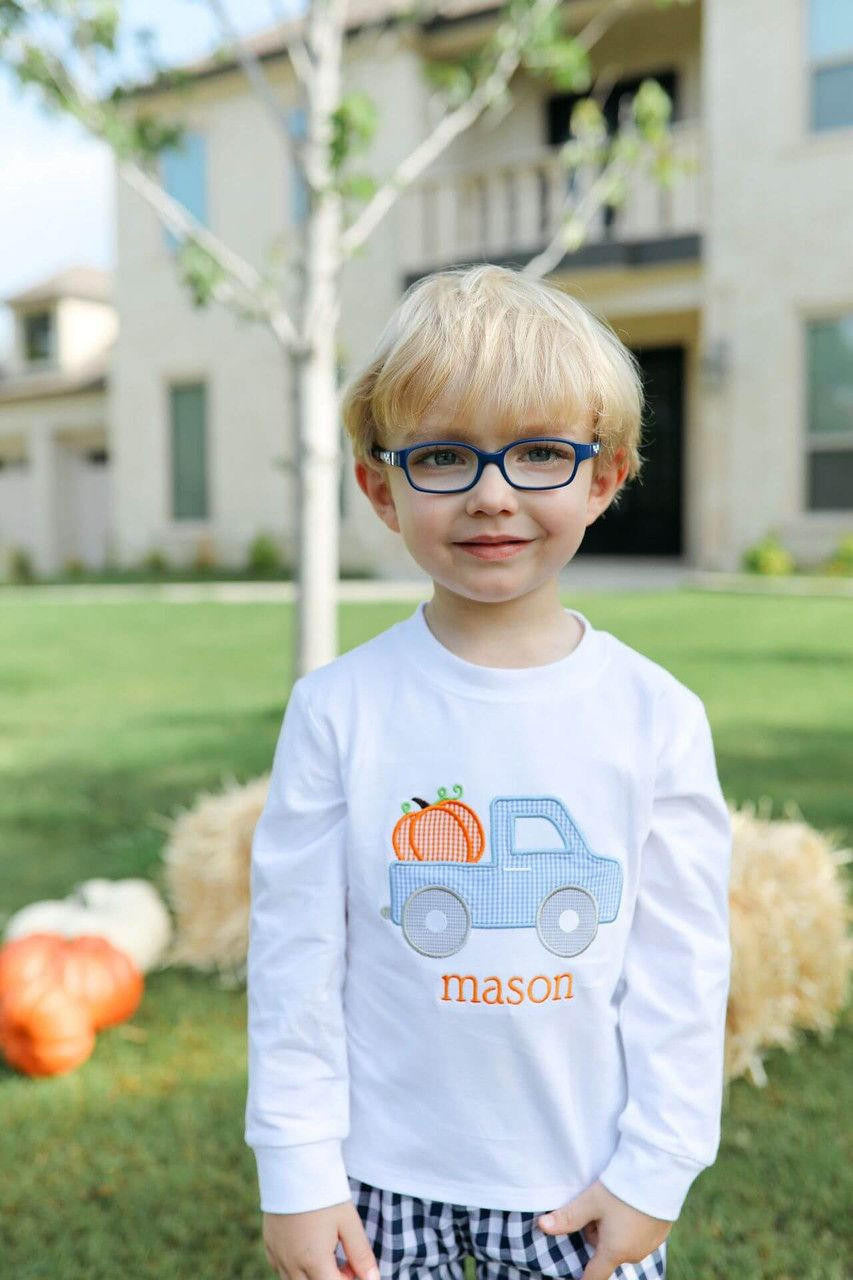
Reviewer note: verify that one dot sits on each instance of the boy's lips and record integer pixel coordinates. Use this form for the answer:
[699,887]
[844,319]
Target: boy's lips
[494,548]
[490,538]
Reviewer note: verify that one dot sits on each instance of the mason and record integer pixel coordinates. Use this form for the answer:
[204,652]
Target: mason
[464,988]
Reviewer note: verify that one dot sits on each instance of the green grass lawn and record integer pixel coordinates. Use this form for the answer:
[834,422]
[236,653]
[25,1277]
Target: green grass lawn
[112,716]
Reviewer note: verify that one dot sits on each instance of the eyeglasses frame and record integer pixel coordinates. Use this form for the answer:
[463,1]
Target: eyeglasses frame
[399,458]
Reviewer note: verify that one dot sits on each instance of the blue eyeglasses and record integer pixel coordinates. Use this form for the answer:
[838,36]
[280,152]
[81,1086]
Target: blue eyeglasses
[451,466]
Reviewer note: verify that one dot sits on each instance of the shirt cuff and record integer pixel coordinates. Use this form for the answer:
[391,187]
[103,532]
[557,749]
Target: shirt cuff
[296,1179]
[655,1182]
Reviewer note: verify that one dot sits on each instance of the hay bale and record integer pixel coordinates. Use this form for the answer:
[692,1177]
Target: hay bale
[791,949]
[206,873]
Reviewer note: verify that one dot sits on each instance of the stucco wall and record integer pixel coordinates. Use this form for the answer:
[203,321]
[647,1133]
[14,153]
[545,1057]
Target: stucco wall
[777,253]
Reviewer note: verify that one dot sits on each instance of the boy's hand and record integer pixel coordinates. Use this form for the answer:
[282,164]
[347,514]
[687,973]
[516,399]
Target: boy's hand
[617,1231]
[300,1245]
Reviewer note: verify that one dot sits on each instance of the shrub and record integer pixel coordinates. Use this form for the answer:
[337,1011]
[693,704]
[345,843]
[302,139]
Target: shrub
[840,563]
[154,562]
[768,556]
[74,567]
[205,554]
[20,566]
[263,557]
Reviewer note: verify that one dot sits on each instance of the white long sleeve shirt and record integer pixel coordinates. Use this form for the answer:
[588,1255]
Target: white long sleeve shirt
[489,941]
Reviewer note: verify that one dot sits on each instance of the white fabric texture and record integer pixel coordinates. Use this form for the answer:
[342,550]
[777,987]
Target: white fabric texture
[489,950]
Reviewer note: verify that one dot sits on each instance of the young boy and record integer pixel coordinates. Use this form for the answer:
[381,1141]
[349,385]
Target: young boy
[489,946]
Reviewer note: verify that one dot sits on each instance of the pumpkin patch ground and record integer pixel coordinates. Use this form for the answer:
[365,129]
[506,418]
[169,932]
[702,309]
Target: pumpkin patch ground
[133,1163]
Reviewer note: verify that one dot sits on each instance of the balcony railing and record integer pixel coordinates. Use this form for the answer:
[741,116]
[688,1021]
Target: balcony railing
[513,207]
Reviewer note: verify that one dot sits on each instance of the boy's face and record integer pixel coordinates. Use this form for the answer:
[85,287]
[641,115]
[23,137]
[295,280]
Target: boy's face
[434,525]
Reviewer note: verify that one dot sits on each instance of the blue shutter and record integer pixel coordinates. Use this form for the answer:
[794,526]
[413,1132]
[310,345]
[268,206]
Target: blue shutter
[189,451]
[183,171]
[831,51]
[298,125]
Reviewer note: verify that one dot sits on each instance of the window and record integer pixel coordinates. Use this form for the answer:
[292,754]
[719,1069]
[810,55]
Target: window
[188,411]
[183,170]
[831,58]
[38,331]
[829,353]
[559,109]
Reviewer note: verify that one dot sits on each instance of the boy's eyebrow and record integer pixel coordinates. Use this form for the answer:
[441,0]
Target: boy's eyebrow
[415,434]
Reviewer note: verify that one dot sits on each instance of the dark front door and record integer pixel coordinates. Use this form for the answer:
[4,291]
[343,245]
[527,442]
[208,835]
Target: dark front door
[648,520]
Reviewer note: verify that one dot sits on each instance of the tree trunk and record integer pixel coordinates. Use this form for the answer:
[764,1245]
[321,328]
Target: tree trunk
[314,365]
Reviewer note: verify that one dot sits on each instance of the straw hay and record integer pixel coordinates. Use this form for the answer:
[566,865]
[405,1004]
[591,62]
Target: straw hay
[791,949]
[206,863]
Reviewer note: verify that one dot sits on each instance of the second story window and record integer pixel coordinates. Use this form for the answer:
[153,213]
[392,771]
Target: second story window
[831,63]
[183,171]
[39,337]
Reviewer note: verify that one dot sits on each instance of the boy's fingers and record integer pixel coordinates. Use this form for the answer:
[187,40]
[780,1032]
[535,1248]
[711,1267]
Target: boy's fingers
[570,1217]
[358,1251]
[599,1267]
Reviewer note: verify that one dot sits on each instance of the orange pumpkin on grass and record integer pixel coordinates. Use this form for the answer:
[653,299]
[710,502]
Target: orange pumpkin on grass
[447,831]
[43,1032]
[55,991]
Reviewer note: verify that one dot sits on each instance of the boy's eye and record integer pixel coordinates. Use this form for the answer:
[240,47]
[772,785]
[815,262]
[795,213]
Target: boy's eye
[445,458]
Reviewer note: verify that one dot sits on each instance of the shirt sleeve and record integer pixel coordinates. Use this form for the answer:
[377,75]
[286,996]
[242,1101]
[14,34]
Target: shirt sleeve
[297,1105]
[675,980]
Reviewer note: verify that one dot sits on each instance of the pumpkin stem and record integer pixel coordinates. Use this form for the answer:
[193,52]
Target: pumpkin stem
[423,803]
[457,789]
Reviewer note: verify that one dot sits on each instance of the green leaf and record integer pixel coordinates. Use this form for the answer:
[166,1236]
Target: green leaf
[651,110]
[97,29]
[358,186]
[200,272]
[353,125]
[454,80]
[587,121]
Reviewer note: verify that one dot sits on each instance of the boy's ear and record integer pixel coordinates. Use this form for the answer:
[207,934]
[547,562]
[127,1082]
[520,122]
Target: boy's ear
[606,482]
[374,482]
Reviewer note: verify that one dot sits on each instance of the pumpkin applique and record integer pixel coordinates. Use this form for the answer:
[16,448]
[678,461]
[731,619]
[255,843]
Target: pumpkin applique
[445,831]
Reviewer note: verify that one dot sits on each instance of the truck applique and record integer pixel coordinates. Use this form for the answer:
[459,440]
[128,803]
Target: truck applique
[563,893]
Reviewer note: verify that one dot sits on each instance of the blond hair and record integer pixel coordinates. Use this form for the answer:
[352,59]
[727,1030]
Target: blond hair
[487,337]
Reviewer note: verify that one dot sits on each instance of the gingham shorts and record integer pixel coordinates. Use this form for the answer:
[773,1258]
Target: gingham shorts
[416,1239]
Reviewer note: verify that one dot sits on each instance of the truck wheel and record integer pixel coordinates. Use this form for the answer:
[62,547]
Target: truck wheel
[567,921]
[435,921]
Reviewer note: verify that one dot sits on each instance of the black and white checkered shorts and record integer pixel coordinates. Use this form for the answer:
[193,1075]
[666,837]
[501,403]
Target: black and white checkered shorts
[416,1239]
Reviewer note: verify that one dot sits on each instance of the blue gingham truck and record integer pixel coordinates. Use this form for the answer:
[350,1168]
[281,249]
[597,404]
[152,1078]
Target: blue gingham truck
[563,893]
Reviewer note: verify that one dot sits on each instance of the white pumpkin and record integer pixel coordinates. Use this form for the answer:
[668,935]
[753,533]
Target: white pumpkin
[128,913]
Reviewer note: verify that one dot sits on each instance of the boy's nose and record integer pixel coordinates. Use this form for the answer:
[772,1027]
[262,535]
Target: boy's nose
[492,488]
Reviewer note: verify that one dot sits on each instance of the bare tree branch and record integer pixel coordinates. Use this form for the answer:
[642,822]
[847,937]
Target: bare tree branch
[252,68]
[302,64]
[464,116]
[454,123]
[182,223]
[601,22]
[572,231]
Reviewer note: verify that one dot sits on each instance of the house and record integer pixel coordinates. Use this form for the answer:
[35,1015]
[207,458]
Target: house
[54,438]
[734,288]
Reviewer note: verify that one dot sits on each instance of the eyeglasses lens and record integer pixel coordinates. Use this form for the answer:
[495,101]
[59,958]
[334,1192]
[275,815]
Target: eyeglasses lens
[535,464]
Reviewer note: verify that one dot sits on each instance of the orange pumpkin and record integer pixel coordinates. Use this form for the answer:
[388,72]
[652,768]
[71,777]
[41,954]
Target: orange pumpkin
[34,958]
[448,831]
[56,992]
[43,1032]
[103,978]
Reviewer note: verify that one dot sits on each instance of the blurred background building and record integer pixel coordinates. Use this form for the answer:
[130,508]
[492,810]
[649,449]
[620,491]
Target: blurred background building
[735,290]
